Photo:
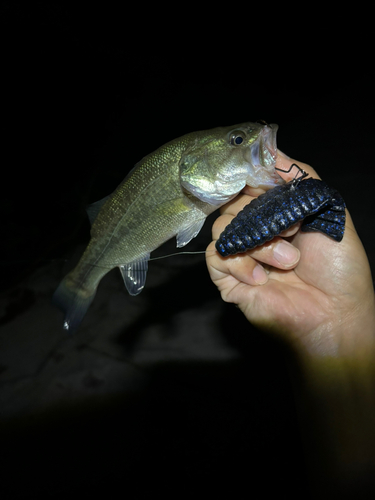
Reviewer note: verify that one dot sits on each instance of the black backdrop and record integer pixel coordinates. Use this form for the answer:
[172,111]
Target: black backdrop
[87,92]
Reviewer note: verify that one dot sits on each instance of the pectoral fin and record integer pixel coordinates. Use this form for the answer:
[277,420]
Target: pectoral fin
[186,234]
[134,274]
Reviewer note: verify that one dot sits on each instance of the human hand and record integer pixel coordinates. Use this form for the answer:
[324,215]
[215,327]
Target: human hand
[322,291]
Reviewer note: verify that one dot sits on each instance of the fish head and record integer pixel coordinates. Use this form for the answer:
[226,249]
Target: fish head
[219,163]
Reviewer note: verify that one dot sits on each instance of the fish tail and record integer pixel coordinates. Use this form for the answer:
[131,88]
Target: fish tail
[73,301]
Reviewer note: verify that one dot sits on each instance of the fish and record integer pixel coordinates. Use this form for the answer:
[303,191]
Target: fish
[320,208]
[169,193]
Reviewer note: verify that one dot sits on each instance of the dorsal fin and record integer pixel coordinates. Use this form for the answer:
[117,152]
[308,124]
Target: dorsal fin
[93,209]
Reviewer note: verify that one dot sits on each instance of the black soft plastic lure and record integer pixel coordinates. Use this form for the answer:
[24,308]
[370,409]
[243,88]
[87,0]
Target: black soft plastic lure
[320,207]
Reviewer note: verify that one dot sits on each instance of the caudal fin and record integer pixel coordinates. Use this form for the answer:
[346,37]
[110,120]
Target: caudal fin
[73,303]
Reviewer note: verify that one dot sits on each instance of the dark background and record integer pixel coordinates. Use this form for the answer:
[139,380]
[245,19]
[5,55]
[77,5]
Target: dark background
[86,94]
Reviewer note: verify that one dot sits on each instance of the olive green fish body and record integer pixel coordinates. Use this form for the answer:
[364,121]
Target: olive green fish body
[169,193]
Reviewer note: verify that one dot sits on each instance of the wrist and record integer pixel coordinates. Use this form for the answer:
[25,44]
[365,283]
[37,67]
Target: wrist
[348,335]
[336,398]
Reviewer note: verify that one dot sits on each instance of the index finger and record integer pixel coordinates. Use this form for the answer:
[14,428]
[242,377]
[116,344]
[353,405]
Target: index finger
[284,163]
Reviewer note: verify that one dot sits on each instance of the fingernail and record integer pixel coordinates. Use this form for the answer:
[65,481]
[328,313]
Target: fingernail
[283,154]
[259,275]
[286,254]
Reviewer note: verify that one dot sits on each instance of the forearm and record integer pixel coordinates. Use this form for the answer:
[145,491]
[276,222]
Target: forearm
[337,396]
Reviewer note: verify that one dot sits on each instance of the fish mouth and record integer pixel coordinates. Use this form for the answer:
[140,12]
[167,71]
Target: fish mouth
[268,147]
[262,157]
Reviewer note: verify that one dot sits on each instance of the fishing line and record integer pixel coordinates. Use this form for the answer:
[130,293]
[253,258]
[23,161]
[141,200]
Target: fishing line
[170,255]
[198,252]
[105,267]
[180,253]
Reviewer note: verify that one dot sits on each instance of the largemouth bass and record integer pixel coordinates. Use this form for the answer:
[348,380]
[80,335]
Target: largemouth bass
[168,193]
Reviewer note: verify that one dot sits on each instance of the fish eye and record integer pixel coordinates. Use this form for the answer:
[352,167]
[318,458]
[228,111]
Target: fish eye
[237,137]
